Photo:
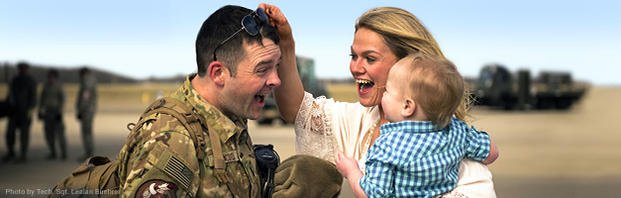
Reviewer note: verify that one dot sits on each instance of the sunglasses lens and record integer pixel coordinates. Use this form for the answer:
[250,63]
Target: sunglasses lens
[251,25]
[261,15]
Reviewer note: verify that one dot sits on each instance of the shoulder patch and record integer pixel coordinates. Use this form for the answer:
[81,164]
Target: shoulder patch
[174,167]
[178,170]
[156,188]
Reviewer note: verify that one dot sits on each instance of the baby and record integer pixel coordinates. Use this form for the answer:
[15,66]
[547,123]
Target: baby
[418,152]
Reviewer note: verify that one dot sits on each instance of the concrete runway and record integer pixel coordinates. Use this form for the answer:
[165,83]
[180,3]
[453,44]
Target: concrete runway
[572,153]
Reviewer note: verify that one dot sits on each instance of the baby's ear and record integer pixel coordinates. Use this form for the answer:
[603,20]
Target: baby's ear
[409,107]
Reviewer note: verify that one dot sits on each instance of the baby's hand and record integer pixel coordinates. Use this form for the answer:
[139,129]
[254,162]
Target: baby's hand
[347,166]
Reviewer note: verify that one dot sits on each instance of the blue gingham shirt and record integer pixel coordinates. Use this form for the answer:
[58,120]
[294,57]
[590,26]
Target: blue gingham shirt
[414,159]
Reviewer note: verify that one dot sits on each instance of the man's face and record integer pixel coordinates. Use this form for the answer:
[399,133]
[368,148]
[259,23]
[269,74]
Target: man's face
[244,94]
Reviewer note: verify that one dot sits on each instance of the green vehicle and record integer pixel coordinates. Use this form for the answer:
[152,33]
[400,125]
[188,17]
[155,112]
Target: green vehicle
[498,88]
[306,69]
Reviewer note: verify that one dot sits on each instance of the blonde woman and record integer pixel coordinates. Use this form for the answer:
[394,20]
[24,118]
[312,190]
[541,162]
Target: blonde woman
[325,127]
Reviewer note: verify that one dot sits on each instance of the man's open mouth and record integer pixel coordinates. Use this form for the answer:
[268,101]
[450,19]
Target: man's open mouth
[260,98]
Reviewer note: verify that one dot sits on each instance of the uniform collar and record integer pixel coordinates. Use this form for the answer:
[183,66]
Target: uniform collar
[216,120]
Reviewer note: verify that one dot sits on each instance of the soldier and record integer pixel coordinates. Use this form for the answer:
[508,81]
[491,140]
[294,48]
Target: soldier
[51,105]
[22,99]
[237,69]
[86,105]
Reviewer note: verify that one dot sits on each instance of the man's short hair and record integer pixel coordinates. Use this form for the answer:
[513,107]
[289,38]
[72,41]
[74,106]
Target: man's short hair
[221,24]
[84,71]
[23,66]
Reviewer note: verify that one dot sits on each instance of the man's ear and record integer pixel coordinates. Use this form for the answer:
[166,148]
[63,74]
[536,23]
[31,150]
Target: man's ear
[409,107]
[217,72]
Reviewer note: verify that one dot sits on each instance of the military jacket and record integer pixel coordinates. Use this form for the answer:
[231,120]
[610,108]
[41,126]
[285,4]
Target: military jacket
[22,96]
[163,159]
[52,98]
[86,101]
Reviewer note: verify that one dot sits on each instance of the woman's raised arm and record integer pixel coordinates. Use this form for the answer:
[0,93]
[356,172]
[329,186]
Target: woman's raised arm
[290,93]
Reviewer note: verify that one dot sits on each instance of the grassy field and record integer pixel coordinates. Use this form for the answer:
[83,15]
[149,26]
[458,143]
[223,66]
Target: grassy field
[343,92]
[115,97]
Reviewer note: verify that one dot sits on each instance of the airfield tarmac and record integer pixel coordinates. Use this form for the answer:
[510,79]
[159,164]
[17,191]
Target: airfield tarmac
[575,153]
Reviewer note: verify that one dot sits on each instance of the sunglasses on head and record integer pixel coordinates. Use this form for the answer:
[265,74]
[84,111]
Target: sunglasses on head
[252,23]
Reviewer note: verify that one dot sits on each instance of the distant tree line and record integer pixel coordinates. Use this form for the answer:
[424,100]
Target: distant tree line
[306,67]
[67,75]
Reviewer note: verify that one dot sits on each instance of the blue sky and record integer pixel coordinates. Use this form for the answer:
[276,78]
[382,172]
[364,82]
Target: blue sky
[156,38]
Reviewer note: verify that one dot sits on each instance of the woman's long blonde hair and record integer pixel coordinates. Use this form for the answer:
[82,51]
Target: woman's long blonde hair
[404,34]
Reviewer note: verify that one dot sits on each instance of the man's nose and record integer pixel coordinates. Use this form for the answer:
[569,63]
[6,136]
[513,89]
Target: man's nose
[273,80]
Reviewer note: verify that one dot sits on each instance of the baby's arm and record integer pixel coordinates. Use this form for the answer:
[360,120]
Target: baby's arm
[348,167]
[480,145]
[493,152]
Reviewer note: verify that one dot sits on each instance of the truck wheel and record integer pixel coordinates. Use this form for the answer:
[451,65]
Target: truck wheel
[563,104]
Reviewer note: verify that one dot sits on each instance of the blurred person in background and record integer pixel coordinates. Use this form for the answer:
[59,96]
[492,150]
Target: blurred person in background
[51,103]
[21,100]
[86,106]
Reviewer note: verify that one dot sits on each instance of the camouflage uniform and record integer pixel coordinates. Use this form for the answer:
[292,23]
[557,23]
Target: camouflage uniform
[163,160]
[22,99]
[51,111]
[86,105]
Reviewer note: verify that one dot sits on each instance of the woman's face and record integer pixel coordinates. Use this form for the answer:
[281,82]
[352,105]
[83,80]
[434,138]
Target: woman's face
[371,59]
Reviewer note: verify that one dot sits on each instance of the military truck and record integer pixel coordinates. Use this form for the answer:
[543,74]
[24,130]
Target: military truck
[498,88]
[306,69]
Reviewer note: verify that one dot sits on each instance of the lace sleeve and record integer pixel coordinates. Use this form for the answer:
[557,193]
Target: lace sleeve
[314,129]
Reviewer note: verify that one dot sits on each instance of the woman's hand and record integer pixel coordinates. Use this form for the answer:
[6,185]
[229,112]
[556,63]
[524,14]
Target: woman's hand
[278,20]
[290,93]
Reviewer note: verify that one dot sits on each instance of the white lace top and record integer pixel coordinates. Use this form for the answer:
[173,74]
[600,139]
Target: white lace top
[324,126]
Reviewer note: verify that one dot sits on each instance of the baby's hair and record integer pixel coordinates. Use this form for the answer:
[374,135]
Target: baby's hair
[435,85]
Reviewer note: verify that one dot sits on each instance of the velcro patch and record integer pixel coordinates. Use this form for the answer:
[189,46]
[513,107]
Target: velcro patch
[176,169]
[231,156]
[156,188]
